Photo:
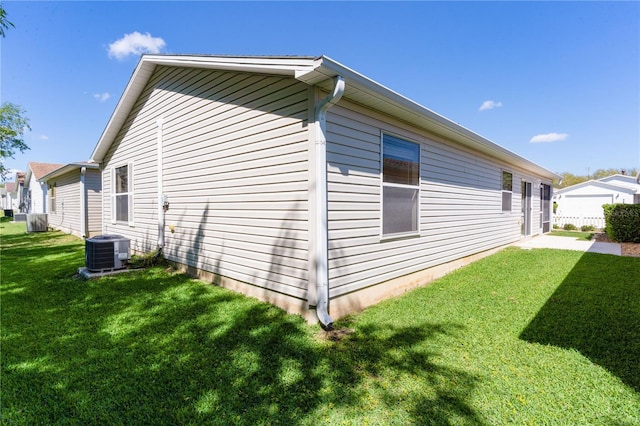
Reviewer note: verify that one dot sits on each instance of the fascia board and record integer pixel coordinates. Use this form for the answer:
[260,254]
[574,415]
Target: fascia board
[68,168]
[134,88]
[313,71]
[416,114]
[260,64]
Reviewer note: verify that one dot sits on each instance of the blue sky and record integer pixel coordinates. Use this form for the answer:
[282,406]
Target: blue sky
[556,82]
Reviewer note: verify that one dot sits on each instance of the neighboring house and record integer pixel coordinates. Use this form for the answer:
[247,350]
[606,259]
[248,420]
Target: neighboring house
[9,200]
[581,204]
[34,193]
[19,192]
[301,182]
[74,199]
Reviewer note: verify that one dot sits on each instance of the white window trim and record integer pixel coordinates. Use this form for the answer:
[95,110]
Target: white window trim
[399,235]
[130,194]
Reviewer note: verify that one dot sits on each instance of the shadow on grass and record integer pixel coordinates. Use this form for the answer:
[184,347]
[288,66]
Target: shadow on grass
[151,347]
[596,311]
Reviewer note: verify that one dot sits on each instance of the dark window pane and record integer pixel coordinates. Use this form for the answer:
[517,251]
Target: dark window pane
[399,210]
[507,181]
[401,161]
[122,180]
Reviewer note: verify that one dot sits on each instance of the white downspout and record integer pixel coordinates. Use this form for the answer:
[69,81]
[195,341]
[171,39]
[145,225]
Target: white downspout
[322,228]
[83,204]
[159,124]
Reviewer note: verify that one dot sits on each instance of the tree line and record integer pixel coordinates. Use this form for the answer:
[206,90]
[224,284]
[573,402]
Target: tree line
[569,179]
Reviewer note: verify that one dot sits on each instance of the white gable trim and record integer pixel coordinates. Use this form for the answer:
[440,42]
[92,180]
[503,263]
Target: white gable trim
[319,72]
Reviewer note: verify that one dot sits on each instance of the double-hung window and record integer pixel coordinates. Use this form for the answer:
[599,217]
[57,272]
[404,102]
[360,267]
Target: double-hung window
[52,198]
[400,186]
[122,194]
[507,190]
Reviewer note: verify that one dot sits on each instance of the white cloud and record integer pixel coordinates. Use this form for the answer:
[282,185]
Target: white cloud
[102,97]
[549,137]
[490,105]
[135,44]
[44,137]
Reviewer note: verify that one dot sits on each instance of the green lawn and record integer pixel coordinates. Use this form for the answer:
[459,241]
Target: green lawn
[578,235]
[521,337]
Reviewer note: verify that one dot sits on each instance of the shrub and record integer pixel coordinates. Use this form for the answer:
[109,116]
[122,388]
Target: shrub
[587,228]
[556,226]
[147,260]
[569,227]
[622,222]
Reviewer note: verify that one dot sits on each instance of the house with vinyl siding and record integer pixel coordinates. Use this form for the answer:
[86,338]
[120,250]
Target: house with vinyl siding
[8,196]
[74,198]
[304,183]
[34,193]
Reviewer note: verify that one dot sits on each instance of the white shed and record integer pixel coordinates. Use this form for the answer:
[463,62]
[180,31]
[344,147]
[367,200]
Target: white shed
[304,183]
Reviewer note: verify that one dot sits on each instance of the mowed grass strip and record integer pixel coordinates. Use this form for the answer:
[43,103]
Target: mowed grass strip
[521,337]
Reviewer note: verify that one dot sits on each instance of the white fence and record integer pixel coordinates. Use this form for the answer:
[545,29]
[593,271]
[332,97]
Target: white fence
[578,221]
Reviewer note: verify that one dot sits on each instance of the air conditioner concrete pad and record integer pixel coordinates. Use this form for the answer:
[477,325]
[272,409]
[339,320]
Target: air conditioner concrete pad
[84,272]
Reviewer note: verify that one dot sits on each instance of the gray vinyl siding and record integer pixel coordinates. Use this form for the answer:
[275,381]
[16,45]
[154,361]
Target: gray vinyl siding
[66,218]
[235,172]
[93,190]
[460,202]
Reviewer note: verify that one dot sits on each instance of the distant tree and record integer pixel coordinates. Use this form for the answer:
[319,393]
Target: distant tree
[600,173]
[12,126]
[569,179]
[4,23]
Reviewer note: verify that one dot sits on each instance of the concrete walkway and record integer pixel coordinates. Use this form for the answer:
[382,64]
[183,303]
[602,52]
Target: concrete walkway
[568,243]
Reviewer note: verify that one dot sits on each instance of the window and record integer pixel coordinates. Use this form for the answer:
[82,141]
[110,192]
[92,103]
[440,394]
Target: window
[507,191]
[52,198]
[400,186]
[122,194]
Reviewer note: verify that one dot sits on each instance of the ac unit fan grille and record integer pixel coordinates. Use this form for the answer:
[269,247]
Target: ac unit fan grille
[106,252]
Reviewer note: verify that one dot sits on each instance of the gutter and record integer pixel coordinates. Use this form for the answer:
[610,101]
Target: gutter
[322,228]
[83,204]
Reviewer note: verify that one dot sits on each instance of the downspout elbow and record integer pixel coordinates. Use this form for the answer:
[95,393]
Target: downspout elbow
[322,232]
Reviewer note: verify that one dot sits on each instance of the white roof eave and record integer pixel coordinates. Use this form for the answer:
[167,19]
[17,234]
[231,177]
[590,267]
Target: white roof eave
[313,71]
[368,92]
[66,169]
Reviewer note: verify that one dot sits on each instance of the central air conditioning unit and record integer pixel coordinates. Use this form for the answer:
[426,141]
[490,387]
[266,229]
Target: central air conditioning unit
[37,222]
[106,253]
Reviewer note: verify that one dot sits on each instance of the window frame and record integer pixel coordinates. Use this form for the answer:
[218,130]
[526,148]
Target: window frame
[52,198]
[504,192]
[416,187]
[129,194]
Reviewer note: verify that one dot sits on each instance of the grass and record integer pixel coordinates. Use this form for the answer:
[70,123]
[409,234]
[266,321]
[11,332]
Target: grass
[520,337]
[578,235]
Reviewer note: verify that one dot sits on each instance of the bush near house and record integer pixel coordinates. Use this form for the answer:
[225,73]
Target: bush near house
[622,222]
[569,227]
